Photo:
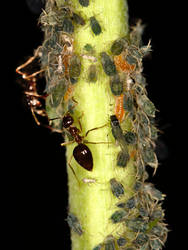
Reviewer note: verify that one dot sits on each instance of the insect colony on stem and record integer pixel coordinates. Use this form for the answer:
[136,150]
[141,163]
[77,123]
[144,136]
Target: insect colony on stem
[122,64]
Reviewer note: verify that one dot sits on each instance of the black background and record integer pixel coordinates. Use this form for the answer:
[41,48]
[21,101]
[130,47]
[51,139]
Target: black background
[34,189]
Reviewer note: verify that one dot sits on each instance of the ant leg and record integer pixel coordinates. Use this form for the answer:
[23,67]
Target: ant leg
[69,163]
[32,75]
[100,142]
[34,116]
[94,129]
[67,143]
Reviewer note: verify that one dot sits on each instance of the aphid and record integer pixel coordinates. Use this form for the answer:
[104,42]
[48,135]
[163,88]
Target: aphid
[109,243]
[147,106]
[123,65]
[98,247]
[153,192]
[116,85]
[130,138]
[77,19]
[58,92]
[121,205]
[156,244]
[69,93]
[88,48]
[118,133]
[117,47]
[131,203]
[81,152]
[74,224]
[141,239]
[116,188]
[67,26]
[84,3]
[108,64]
[143,212]
[121,242]
[95,26]
[75,67]
[128,103]
[118,216]
[122,159]
[137,224]
[92,73]
[119,110]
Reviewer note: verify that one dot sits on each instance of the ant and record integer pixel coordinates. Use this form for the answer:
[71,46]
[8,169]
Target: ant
[33,98]
[82,154]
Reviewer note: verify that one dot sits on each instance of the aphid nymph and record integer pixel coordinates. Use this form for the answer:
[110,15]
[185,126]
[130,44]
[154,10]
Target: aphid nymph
[108,64]
[116,188]
[74,224]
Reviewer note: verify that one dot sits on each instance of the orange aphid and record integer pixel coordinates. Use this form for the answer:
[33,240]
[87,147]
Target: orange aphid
[119,111]
[133,154]
[122,64]
[68,93]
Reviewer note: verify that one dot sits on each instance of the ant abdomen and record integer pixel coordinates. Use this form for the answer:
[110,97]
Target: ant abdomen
[83,156]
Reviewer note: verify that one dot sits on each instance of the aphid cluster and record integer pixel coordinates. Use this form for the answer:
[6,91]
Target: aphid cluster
[141,214]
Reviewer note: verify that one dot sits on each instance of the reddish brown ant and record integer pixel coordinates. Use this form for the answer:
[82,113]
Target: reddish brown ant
[82,154]
[33,98]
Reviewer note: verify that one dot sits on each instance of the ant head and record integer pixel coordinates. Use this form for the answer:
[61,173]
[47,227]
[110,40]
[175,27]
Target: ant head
[67,121]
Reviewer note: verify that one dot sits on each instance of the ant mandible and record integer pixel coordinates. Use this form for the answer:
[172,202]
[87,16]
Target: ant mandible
[33,98]
[82,154]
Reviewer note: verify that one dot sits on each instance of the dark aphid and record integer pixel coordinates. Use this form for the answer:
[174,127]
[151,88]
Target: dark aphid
[92,73]
[108,64]
[84,3]
[95,26]
[137,224]
[157,214]
[141,239]
[147,106]
[121,205]
[143,212]
[117,47]
[116,85]
[118,216]
[130,138]
[116,188]
[109,243]
[122,159]
[67,26]
[149,155]
[99,247]
[131,203]
[78,19]
[137,186]
[121,242]
[74,224]
[158,230]
[131,60]
[118,133]
[128,103]
[75,67]
[57,93]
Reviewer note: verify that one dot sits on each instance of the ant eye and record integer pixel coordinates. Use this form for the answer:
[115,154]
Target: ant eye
[67,121]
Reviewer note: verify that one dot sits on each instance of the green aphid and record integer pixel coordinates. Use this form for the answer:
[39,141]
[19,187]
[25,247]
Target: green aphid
[116,85]
[92,73]
[137,224]
[128,103]
[108,64]
[84,3]
[95,26]
[99,247]
[75,67]
[122,159]
[88,48]
[116,188]
[130,138]
[74,224]
[67,26]
[156,244]
[118,216]
[141,239]
[109,243]
[147,106]
[117,47]
[57,93]
[121,242]
[78,19]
